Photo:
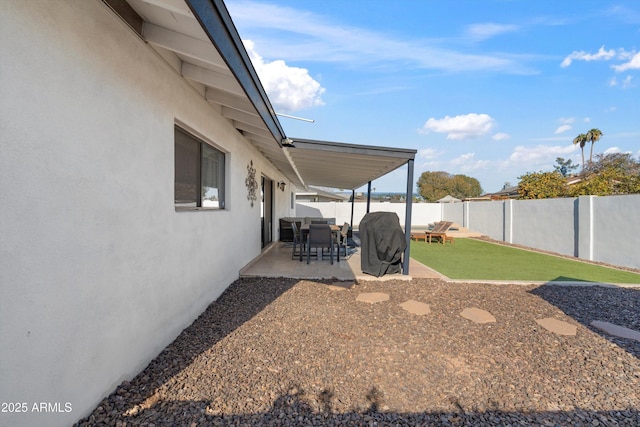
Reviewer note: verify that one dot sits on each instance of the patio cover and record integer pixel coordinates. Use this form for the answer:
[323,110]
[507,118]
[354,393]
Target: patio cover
[343,166]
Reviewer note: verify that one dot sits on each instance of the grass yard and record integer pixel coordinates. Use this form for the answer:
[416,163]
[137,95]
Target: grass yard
[473,259]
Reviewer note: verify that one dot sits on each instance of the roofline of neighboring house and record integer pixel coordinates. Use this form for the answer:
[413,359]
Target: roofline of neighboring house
[319,192]
[216,22]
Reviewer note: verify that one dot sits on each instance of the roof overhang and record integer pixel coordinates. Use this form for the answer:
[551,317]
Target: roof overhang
[198,38]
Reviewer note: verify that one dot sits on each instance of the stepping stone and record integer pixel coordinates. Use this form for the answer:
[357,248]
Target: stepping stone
[557,326]
[341,286]
[416,307]
[372,297]
[477,315]
[616,330]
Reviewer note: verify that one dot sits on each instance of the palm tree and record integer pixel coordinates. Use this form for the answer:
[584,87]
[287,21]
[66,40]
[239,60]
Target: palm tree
[582,140]
[593,135]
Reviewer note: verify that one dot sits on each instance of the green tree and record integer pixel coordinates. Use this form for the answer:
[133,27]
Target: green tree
[564,166]
[542,185]
[465,186]
[582,140]
[609,174]
[433,186]
[592,136]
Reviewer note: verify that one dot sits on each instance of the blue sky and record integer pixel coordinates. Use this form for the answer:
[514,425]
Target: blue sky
[491,89]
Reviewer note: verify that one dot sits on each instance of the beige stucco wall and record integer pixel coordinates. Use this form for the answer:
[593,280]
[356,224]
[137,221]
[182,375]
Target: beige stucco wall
[98,272]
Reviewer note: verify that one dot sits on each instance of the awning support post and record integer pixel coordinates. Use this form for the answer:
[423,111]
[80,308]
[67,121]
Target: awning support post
[353,202]
[407,217]
[368,196]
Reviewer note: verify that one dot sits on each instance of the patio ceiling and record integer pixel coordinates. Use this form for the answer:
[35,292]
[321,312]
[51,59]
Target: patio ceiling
[198,38]
[344,166]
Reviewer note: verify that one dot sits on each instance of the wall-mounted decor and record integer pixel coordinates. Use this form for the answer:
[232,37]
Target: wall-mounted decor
[251,183]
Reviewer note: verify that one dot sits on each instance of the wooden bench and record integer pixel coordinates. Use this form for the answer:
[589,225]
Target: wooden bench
[440,232]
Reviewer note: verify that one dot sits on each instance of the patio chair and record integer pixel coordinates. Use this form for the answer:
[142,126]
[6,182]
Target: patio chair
[297,242]
[440,232]
[344,239]
[320,236]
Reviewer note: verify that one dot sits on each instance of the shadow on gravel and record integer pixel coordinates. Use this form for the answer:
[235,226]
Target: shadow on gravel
[620,306]
[221,318]
[293,409]
[570,279]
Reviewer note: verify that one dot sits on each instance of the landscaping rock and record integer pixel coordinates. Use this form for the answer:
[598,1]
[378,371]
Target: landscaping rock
[281,352]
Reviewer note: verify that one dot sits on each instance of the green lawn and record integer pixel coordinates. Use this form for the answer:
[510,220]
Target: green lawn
[477,260]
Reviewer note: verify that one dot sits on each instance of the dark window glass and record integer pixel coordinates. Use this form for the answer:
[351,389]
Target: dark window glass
[199,173]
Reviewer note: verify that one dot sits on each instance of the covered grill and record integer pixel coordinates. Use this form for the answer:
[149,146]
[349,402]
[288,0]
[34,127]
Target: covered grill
[382,243]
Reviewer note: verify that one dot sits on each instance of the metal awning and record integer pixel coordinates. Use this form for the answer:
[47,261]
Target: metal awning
[344,166]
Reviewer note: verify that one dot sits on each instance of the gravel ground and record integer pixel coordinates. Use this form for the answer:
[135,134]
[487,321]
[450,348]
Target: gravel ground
[287,352]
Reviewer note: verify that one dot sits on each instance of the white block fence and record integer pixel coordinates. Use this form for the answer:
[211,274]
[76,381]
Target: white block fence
[604,229]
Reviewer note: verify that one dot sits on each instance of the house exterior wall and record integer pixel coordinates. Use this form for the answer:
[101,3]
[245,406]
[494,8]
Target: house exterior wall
[98,272]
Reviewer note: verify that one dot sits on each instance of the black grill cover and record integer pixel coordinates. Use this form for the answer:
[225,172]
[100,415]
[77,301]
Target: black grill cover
[382,243]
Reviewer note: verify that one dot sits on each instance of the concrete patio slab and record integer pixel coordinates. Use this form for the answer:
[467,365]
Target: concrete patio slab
[372,297]
[557,326]
[275,261]
[477,315]
[416,307]
[616,330]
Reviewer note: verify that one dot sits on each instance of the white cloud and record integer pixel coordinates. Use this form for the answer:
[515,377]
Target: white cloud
[466,162]
[612,150]
[429,153]
[479,32]
[563,128]
[587,119]
[460,127]
[626,83]
[289,88]
[319,39]
[601,55]
[633,64]
[500,136]
[567,120]
[539,156]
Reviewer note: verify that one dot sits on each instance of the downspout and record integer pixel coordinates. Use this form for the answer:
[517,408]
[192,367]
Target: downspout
[407,217]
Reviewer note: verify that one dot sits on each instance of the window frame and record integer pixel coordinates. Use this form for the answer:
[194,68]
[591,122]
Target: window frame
[221,174]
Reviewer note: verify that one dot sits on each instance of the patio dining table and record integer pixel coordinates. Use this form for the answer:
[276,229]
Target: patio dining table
[304,231]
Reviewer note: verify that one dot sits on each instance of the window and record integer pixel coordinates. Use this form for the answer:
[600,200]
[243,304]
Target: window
[199,173]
